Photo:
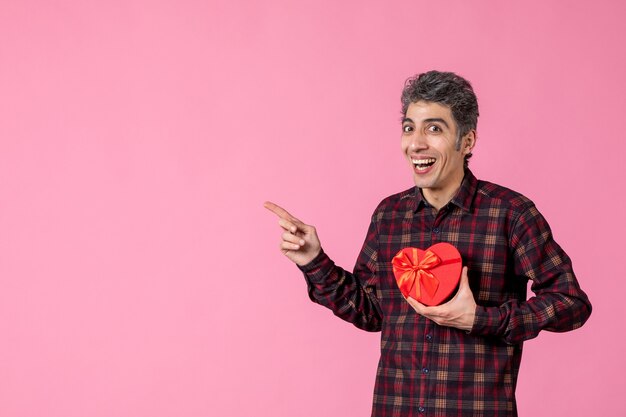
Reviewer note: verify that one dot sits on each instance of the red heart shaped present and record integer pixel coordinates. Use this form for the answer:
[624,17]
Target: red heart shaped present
[430,276]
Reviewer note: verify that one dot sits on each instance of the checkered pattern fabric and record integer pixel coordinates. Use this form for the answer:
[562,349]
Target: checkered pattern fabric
[429,370]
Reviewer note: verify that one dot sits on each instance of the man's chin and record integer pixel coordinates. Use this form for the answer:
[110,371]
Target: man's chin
[423,180]
[424,185]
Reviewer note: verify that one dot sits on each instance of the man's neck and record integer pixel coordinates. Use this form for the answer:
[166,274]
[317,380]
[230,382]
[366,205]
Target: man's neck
[439,197]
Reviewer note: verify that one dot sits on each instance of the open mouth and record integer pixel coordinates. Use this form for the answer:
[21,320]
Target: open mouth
[423,164]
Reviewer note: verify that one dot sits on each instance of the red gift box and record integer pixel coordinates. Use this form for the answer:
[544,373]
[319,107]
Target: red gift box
[429,276]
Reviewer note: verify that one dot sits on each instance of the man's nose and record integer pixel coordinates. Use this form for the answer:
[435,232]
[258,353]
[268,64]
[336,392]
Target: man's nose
[418,142]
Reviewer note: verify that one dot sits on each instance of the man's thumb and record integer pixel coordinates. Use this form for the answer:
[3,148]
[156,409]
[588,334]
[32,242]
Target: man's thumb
[464,282]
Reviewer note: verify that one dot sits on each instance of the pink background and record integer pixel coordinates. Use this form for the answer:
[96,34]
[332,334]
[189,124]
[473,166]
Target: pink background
[139,272]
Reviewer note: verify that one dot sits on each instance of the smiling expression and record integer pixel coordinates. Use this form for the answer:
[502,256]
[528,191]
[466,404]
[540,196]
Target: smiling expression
[429,142]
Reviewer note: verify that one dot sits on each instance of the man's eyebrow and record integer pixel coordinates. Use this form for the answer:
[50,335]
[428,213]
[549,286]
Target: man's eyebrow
[437,119]
[431,120]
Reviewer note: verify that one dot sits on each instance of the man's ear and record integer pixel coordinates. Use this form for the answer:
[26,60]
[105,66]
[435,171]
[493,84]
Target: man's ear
[468,142]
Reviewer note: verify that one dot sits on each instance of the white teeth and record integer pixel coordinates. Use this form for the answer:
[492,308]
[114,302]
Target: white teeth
[423,161]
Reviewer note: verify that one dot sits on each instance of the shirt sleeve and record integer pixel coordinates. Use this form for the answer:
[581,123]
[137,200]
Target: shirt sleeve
[351,296]
[558,303]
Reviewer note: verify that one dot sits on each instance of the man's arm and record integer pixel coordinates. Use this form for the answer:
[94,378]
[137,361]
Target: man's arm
[559,304]
[351,296]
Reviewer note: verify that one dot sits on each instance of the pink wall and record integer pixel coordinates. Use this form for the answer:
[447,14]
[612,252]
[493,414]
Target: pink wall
[139,272]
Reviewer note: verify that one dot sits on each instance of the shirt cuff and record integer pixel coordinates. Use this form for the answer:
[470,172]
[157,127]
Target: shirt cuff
[317,269]
[486,321]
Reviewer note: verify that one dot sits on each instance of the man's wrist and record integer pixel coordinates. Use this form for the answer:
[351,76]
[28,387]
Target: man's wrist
[471,321]
[313,263]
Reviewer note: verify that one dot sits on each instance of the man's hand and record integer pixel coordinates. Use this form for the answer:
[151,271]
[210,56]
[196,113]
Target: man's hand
[459,312]
[299,241]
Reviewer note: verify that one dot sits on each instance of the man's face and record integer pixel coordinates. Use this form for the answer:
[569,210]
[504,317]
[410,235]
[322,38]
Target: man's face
[429,142]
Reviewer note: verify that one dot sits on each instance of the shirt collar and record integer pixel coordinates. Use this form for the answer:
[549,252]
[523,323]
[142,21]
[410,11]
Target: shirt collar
[462,199]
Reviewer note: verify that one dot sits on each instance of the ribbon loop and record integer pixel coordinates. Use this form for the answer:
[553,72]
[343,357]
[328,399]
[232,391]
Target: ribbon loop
[414,272]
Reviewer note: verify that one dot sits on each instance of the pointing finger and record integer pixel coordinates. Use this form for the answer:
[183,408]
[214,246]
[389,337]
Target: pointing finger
[278,210]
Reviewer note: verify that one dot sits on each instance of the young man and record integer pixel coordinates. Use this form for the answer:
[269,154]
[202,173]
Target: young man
[460,358]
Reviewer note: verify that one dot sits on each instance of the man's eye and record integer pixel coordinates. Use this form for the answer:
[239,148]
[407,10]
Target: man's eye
[434,128]
[407,129]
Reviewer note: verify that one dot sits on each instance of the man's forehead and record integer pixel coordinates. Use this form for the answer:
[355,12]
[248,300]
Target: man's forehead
[421,110]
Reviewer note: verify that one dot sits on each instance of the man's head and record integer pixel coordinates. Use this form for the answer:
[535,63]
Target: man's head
[438,132]
[446,89]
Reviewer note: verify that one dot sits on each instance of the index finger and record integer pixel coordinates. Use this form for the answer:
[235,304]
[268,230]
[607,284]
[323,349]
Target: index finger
[278,210]
[419,307]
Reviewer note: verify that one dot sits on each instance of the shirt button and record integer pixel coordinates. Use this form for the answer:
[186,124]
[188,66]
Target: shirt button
[421,409]
[425,370]
[429,337]
[435,230]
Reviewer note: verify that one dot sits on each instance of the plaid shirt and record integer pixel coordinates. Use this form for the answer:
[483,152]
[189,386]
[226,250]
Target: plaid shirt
[427,369]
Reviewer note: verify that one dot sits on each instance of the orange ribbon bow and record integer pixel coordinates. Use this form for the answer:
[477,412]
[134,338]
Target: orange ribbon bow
[412,271]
